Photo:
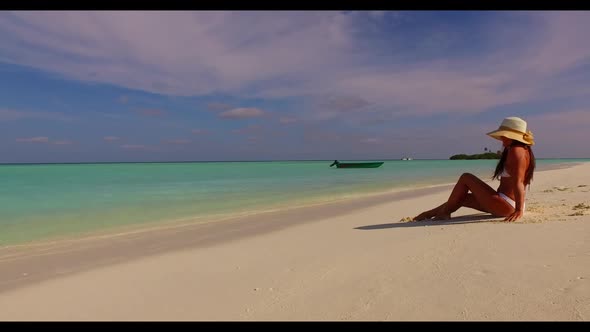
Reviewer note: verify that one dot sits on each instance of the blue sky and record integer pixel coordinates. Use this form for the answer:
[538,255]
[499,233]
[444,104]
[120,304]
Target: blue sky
[171,86]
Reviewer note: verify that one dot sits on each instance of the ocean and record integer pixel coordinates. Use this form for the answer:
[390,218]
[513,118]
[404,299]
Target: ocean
[52,201]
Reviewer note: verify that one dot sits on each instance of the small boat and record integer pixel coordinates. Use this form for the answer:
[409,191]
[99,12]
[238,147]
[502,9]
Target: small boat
[357,165]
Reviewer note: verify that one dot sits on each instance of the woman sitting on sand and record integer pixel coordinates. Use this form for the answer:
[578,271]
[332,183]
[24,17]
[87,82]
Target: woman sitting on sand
[514,170]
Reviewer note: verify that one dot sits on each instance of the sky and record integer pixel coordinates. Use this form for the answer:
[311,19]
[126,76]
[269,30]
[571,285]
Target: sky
[292,85]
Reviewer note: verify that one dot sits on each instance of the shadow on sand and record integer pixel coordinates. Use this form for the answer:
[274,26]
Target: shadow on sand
[467,219]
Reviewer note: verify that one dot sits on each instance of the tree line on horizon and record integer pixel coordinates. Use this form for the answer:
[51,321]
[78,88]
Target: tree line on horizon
[488,154]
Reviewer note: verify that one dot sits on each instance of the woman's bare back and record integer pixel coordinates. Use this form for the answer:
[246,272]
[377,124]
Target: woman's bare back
[517,163]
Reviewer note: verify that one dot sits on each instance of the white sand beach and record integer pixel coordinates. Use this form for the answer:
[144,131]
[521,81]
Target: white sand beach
[337,263]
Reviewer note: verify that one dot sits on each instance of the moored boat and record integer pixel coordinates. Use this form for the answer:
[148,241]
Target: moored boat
[357,164]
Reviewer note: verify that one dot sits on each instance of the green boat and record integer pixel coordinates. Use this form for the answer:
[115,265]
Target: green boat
[357,165]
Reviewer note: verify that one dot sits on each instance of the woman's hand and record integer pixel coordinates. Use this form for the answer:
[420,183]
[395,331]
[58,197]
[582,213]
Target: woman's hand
[513,217]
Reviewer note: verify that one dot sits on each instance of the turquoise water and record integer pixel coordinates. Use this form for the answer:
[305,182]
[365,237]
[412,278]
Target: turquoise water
[46,201]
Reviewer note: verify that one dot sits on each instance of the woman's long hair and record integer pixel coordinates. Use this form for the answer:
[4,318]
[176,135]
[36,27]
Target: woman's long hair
[530,170]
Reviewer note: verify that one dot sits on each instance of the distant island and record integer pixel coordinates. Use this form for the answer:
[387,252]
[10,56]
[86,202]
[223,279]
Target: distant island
[487,155]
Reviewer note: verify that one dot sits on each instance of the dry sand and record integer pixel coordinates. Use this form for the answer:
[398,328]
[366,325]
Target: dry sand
[347,261]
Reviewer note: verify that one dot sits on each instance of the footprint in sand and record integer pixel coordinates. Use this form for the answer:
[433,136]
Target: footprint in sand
[529,220]
[561,188]
[536,209]
[582,186]
[581,210]
[573,283]
[481,272]
[581,206]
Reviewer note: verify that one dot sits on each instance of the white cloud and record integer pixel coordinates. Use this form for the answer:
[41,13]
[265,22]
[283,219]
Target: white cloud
[343,103]
[43,139]
[14,115]
[185,53]
[62,142]
[287,120]
[177,141]
[241,113]
[135,147]
[39,139]
[370,140]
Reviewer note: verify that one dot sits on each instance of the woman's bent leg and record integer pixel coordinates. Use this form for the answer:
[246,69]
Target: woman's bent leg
[482,197]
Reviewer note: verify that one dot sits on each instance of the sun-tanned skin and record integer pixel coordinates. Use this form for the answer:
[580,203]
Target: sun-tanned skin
[473,193]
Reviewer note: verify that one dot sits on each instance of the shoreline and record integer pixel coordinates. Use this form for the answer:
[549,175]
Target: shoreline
[156,225]
[163,239]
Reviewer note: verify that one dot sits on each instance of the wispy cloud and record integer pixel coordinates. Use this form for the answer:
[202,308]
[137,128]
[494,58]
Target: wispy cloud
[534,69]
[343,103]
[43,139]
[370,140]
[218,106]
[560,120]
[111,138]
[39,139]
[177,141]
[287,120]
[233,48]
[150,112]
[199,131]
[562,133]
[136,147]
[14,115]
[242,113]
[62,142]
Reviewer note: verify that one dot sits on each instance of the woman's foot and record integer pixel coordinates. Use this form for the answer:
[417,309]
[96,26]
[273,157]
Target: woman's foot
[442,216]
[426,215]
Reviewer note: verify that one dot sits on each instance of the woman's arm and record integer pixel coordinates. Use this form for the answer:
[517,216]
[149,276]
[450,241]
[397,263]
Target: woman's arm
[517,166]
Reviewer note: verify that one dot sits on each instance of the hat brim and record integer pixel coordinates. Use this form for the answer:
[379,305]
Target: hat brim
[498,134]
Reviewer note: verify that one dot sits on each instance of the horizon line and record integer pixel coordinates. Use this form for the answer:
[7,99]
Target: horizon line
[238,161]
